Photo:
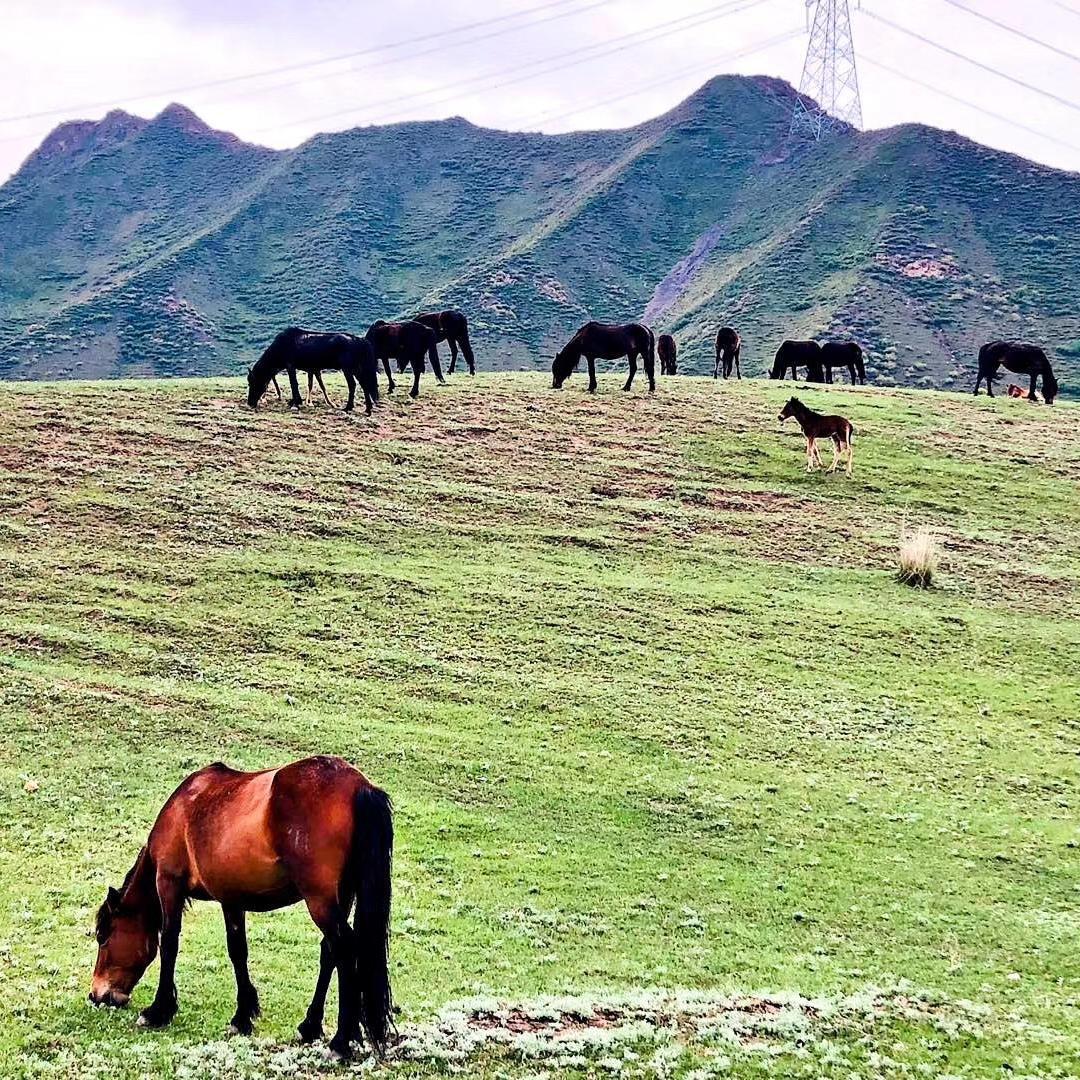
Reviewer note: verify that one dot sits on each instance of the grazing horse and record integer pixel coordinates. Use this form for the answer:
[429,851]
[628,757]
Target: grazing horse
[796,354]
[606,342]
[406,342]
[453,328]
[667,351]
[307,350]
[816,426]
[728,350]
[316,831]
[843,354]
[1020,359]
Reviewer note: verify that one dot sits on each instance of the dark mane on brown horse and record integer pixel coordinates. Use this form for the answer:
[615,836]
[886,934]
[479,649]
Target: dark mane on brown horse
[407,343]
[728,351]
[605,341]
[668,352]
[316,831]
[1021,359]
[452,327]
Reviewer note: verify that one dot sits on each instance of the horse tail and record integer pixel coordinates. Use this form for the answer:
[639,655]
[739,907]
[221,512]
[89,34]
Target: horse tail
[373,851]
[650,352]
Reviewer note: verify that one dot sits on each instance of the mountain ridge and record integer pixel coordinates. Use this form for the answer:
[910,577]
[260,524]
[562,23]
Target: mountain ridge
[162,246]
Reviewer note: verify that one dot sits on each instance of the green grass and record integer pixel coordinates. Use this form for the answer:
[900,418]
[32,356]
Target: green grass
[651,704]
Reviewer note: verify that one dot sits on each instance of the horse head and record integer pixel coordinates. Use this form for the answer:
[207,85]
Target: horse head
[790,409]
[566,360]
[1050,387]
[127,935]
[257,385]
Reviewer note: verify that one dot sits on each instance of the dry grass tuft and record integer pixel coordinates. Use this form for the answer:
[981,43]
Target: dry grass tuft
[920,556]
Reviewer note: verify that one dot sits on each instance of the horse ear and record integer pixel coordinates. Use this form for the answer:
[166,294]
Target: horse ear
[112,899]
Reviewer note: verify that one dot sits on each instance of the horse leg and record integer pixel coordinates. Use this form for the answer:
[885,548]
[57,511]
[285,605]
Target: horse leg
[273,379]
[310,384]
[329,917]
[322,387]
[310,1027]
[452,342]
[716,364]
[738,373]
[632,357]
[171,897]
[650,372]
[1031,388]
[350,382]
[592,373]
[296,401]
[836,444]
[850,454]
[417,365]
[247,999]
[389,375]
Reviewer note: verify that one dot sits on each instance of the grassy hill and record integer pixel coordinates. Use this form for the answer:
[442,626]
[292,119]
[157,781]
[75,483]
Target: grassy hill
[652,707]
[141,247]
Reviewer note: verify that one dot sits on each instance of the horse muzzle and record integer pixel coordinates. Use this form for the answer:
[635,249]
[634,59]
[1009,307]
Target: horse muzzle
[106,995]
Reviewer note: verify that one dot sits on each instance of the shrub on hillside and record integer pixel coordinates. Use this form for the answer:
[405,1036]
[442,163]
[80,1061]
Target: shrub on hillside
[920,556]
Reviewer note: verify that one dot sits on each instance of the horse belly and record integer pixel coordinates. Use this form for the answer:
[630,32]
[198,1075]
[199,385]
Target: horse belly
[231,846]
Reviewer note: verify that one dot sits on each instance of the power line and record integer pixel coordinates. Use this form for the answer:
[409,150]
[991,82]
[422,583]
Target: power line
[964,101]
[227,80]
[438,47]
[1014,30]
[1065,7]
[976,63]
[671,26]
[709,65]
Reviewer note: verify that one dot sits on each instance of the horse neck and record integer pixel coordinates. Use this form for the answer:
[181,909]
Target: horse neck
[140,889]
[803,415]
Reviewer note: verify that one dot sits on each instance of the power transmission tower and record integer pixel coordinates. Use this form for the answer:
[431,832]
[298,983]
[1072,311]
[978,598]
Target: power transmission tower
[829,90]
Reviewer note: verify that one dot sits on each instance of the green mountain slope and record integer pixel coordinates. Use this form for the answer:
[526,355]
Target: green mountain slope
[160,246]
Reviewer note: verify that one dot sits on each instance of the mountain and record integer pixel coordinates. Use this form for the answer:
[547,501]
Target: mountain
[135,247]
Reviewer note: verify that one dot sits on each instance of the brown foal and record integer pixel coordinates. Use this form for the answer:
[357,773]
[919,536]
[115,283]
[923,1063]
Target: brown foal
[816,426]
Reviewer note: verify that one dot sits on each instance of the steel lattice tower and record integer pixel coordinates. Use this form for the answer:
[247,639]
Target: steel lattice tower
[829,90]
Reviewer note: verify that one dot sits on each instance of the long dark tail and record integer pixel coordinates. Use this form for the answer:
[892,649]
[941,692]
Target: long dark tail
[651,354]
[373,853]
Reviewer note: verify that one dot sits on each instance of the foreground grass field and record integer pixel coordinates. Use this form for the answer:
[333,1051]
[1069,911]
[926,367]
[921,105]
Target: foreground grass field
[662,729]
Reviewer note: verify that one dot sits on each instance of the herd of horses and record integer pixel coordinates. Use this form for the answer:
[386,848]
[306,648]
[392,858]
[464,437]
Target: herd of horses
[317,830]
[412,342]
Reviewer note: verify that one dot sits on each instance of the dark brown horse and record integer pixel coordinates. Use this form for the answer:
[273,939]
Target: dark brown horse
[728,350]
[1020,359]
[603,341]
[797,354]
[843,354]
[316,831]
[452,327]
[308,350]
[408,343]
[667,350]
[817,426]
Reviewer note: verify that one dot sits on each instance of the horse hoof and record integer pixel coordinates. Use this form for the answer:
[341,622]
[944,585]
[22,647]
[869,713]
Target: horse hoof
[240,1027]
[414,394]
[150,1019]
[340,1053]
[309,1033]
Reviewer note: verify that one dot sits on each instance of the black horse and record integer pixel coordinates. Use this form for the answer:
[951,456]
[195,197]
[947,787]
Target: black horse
[606,342]
[308,350]
[408,343]
[843,354]
[1021,359]
[797,354]
[453,328]
[667,351]
[728,350]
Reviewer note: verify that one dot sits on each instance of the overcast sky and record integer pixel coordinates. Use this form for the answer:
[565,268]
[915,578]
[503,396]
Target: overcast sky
[78,58]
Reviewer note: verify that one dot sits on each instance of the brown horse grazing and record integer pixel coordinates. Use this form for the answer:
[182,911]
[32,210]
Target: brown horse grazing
[816,426]
[1020,359]
[316,831]
[728,350]
[667,351]
[408,343]
[1012,390]
[843,354]
[796,354]
[452,327]
[606,342]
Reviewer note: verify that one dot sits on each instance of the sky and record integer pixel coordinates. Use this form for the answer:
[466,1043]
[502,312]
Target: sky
[538,65]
